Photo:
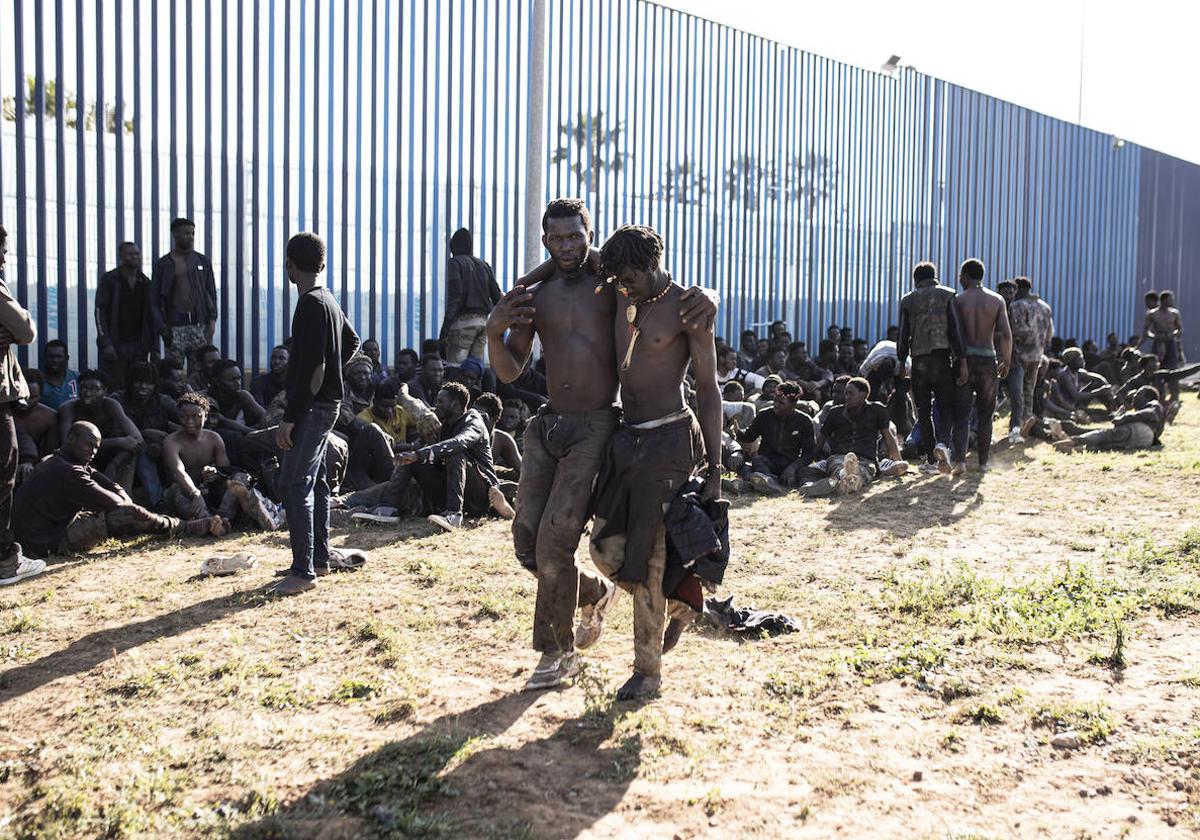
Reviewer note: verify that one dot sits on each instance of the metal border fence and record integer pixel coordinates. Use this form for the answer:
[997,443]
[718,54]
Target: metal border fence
[796,186]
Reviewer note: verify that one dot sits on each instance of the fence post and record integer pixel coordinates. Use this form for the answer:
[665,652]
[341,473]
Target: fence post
[535,148]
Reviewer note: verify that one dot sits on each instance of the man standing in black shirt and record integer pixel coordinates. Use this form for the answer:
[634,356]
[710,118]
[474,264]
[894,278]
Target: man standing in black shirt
[324,341]
[471,293]
[787,442]
[124,330]
[853,431]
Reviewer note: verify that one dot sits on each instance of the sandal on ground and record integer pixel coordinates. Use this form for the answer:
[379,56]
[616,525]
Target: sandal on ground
[224,566]
[347,559]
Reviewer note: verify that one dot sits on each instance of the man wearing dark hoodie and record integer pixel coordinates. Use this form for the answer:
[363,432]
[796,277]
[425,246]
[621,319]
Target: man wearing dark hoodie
[471,292]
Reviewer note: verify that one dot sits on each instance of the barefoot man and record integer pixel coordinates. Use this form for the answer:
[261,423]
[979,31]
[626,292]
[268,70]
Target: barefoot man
[983,317]
[658,445]
[565,443]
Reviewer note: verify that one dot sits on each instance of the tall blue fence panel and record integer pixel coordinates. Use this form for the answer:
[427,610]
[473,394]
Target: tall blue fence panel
[796,186]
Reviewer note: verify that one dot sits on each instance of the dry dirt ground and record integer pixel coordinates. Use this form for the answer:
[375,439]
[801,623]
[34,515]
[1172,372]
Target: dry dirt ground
[951,630]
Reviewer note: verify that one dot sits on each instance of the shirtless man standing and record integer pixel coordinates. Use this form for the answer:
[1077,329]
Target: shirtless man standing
[573,315]
[194,458]
[983,318]
[1164,328]
[658,445]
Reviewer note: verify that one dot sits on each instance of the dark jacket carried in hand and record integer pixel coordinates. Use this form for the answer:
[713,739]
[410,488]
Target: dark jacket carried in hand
[697,544]
[204,289]
[109,295]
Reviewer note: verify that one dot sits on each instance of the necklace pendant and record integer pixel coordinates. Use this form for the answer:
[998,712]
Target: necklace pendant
[631,313]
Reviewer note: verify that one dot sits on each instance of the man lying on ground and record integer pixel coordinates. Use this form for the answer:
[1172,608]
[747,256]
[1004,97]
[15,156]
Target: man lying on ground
[66,507]
[1139,427]
[786,435]
[202,477]
[853,431]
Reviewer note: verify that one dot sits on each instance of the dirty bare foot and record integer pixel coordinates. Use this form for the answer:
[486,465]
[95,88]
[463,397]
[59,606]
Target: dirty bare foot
[639,685]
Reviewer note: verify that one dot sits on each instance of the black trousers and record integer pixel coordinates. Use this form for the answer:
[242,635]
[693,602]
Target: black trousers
[933,379]
[8,476]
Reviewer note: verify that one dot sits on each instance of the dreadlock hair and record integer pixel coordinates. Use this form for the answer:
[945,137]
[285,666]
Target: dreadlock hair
[790,389]
[632,246]
[193,398]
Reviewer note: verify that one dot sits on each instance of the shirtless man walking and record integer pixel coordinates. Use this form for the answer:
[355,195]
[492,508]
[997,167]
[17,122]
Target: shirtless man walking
[983,318]
[659,443]
[1164,328]
[573,315]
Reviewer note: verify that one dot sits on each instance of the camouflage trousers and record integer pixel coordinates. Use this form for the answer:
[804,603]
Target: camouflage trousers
[185,341]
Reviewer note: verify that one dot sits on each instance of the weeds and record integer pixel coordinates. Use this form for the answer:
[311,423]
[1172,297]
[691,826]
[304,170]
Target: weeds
[1092,722]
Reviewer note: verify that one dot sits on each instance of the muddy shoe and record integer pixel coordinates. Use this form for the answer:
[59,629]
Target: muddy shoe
[958,469]
[265,513]
[554,669]
[1029,425]
[942,453]
[447,521]
[1057,432]
[639,686]
[209,526]
[850,480]
[500,503]
[591,617]
[293,585]
[766,484]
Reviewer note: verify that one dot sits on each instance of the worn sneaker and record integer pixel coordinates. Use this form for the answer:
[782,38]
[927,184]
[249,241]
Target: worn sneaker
[765,484]
[500,503]
[382,515]
[554,669]
[1015,437]
[958,469]
[591,617]
[447,521]
[16,567]
[929,469]
[1031,423]
[1057,432]
[942,453]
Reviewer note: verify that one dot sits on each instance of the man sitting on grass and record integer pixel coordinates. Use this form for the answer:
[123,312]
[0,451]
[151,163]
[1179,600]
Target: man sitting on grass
[786,435]
[66,507]
[120,439]
[854,430]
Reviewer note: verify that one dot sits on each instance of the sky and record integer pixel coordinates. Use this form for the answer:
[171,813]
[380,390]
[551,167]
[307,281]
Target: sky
[1138,59]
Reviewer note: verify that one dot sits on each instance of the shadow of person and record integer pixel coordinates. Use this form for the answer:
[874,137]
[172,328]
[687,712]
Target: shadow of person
[87,652]
[906,507]
[446,780]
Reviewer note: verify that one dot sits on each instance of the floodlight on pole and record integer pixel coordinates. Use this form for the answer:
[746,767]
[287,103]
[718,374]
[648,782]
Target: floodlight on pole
[891,67]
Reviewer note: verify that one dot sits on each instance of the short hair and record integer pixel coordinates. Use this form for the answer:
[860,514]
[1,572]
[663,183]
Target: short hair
[431,347]
[180,222]
[459,392]
[632,246]
[430,357]
[924,270]
[58,342]
[222,366]
[825,346]
[282,347]
[796,345]
[367,341]
[726,350]
[1150,294]
[1147,391]
[490,403]
[731,387]
[842,379]
[566,208]
[972,268]
[167,366]
[1023,283]
[143,372]
[96,375]
[1006,284]
[201,352]
[384,391]
[194,398]
[790,389]
[306,250]
[126,244]
[408,351]
[861,384]
[83,426]
[749,332]
[1072,353]
[1165,293]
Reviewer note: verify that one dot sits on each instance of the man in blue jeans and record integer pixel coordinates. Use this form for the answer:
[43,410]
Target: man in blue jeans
[323,342]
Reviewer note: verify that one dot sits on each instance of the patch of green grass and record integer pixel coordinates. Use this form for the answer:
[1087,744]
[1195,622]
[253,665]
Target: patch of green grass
[983,714]
[280,698]
[1115,658]
[352,690]
[912,659]
[924,596]
[1092,722]
[21,621]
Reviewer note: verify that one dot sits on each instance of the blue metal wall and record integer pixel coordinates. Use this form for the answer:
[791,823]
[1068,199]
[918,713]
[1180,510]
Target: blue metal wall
[796,186]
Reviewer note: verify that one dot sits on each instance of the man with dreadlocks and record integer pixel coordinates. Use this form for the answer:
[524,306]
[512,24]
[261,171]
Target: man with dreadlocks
[659,443]
[572,313]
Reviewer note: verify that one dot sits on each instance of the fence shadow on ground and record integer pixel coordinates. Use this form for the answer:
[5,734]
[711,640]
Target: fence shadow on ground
[449,779]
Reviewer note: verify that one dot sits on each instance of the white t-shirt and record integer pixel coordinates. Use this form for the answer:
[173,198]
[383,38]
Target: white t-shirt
[750,381]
